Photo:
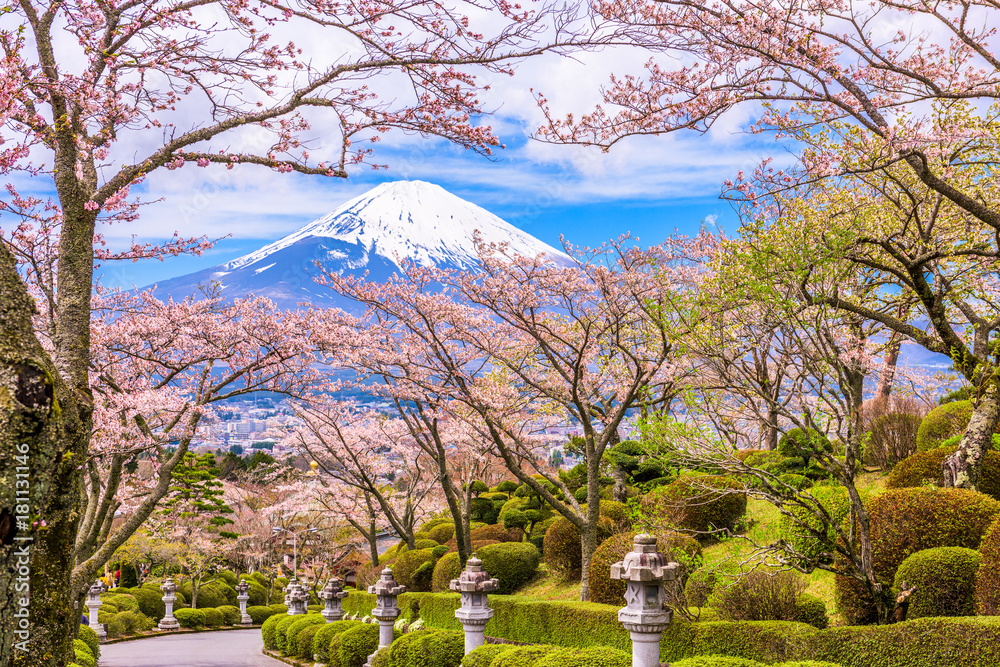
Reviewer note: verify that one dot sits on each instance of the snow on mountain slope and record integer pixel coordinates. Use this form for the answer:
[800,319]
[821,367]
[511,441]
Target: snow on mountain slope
[411,220]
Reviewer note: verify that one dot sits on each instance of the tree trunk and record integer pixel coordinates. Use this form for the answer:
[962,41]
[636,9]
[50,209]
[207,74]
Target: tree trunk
[888,371]
[772,428]
[373,542]
[588,532]
[41,444]
[963,468]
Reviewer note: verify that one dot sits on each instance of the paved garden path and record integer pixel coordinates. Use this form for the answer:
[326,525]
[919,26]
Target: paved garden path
[233,648]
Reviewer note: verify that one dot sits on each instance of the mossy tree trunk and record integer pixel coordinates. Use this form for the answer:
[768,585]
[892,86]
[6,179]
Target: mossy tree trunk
[963,469]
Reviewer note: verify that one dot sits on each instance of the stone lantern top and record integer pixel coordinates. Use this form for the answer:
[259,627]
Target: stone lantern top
[334,590]
[168,586]
[386,585]
[98,588]
[644,562]
[473,579]
[242,587]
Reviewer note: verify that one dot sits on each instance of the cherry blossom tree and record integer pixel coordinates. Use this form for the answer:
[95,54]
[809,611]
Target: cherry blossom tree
[521,343]
[896,132]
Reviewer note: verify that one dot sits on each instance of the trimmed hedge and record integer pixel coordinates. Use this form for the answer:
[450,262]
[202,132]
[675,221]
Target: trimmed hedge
[190,618]
[698,504]
[407,565]
[281,631]
[324,636]
[562,546]
[597,656]
[268,629]
[484,655]
[604,589]
[945,578]
[89,637]
[924,468]
[942,423]
[304,641]
[150,602]
[291,647]
[717,661]
[447,568]
[834,499]
[442,532]
[522,656]
[258,614]
[425,648]
[988,574]
[213,617]
[82,654]
[123,601]
[355,645]
[958,642]
[513,563]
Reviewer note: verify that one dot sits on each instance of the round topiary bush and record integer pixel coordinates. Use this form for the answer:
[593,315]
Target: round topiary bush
[562,546]
[279,607]
[82,654]
[523,655]
[605,590]
[407,564]
[945,578]
[268,629]
[925,468]
[150,602]
[988,574]
[291,646]
[483,656]
[904,521]
[257,593]
[594,656]
[942,423]
[426,648]
[356,644]
[716,661]
[190,618]
[259,613]
[213,617]
[324,636]
[446,569]
[513,563]
[812,611]
[617,512]
[123,601]
[304,641]
[281,631]
[701,505]
[804,444]
[89,637]
[442,532]
[230,614]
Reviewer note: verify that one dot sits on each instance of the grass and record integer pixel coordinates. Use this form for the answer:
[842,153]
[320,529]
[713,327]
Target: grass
[546,586]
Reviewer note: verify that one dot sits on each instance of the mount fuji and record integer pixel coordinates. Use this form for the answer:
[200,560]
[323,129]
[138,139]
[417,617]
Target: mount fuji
[402,220]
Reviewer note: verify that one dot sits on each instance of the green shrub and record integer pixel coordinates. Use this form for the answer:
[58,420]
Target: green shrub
[446,569]
[617,512]
[356,644]
[304,641]
[513,563]
[716,661]
[279,607]
[523,656]
[833,498]
[213,617]
[483,656]
[811,610]
[190,618]
[150,602]
[597,656]
[442,532]
[988,574]
[82,654]
[89,637]
[699,586]
[942,423]
[804,444]
[698,504]
[229,577]
[230,614]
[760,596]
[257,593]
[268,631]
[925,468]
[281,631]
[495,532]
[407,565]
[259,613]
[904,521]
[563,547]
[796,481]
[123,601]
[212,594]
[605,590]
[945,581]
[291,647]
[325,634]
[427,648]
[806,663]
[107,608]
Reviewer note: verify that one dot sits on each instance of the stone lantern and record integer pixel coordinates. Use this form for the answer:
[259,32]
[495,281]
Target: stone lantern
[331,595]
[242,590]
[644,571]
[93,605]
[296,598]
[385,590]
[474,584]
[168,622]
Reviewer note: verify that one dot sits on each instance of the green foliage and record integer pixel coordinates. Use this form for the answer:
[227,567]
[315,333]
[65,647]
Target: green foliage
[942,423]
[230,614]
[699,586]
[716,661]
[563,546]
[988,574]
[483,656]
[279,607]
[123,601]
[513,563]
[213,617]
[605,590]
[597,656]
[507,486]
[304,641]
[190,618]
[495,532]
[945,580]
[150,602]
[925,468]
[523,655]
[515,519]
[325,634]
[804,444]
[89,637]
[196,496]
[289,646]
[442,532]
[356,644]
[426,648]
[904,521]
[760,596]
[281,631]
[447,568]
[698,504]
[268,630]
[257,593]
[229,577]
[406,566]
[82,654]
[833,498]
[259,613]
[812,611]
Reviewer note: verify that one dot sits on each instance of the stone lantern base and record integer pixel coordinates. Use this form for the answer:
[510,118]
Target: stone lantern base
[169,624]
